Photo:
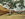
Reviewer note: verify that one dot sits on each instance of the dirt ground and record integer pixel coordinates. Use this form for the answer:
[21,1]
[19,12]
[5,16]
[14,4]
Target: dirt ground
[12,17]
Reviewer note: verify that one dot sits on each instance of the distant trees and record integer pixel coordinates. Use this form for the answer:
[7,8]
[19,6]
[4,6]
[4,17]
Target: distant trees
[14,4]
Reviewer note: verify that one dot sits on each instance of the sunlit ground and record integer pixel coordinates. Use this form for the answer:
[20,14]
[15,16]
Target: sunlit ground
[13,16]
